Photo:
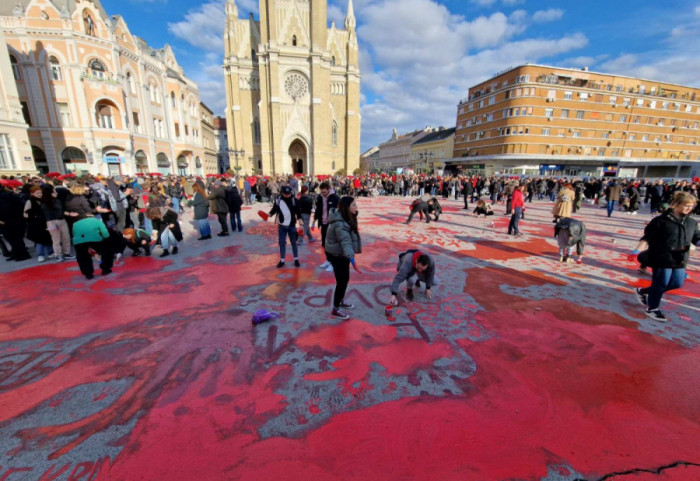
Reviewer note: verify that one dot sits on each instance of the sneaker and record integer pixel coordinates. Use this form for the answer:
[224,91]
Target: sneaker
[175,250]
[656,314]
[280,264]
[409,294]
[69,257]
[165,253]
[329,268]
[222,234]
[90,277]
[41,259]
[641,298]
[296,263]
[59,258]
[106,272]
[345,305]
[324,265]
[336,312]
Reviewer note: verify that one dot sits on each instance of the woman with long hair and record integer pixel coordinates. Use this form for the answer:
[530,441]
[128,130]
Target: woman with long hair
[201,211]
[37,231]
[342,243]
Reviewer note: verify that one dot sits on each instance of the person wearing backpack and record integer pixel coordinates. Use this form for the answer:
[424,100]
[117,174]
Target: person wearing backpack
[286,208]
[234,201]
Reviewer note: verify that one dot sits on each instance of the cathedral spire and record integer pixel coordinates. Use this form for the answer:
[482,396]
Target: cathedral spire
[350,19]
[231,8]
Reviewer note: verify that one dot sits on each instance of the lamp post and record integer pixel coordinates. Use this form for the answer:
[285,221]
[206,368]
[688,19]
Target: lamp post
[236,154]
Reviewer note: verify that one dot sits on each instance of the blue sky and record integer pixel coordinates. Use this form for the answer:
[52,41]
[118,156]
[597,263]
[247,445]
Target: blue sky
[419,57]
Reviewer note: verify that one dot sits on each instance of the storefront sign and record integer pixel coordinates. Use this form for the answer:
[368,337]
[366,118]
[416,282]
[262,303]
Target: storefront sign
[113,160]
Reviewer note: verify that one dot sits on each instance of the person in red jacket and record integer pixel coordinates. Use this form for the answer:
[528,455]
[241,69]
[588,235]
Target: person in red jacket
[517,204]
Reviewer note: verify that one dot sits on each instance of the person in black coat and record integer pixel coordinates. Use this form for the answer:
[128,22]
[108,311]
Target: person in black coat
[324,204]
[669,237]
[234,201]
[467,192]
[12,225]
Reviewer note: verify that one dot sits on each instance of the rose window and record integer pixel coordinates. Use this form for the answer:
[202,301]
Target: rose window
[296,86]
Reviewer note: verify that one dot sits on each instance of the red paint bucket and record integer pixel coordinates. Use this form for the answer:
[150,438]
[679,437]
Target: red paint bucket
[389,312]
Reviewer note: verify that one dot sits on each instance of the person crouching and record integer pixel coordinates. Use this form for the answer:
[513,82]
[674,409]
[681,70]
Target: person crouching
[570,233]
[414,267]
[137,239]
[91,233]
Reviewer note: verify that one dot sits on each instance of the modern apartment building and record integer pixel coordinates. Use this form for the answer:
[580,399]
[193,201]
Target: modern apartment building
[97,98]
[537,119]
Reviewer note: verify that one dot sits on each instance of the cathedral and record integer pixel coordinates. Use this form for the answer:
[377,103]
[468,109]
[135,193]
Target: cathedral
[292,89]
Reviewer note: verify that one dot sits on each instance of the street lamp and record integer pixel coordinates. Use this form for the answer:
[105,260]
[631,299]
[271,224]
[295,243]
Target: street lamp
[236,154]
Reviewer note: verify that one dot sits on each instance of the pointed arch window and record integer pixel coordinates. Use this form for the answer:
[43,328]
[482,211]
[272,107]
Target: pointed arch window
[15,68]
[334,134]
[294,40]
[56,73]
[333,61]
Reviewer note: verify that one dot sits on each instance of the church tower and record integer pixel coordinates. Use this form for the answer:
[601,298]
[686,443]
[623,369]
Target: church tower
[292,89]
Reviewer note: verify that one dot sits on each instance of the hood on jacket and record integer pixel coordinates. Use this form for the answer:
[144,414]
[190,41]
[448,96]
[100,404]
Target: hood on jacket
[334,216]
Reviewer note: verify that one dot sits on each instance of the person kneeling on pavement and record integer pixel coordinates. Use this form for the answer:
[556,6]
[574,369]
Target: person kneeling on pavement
[570,233]
[136,239]
[415,268]
[425,205]
[91,233]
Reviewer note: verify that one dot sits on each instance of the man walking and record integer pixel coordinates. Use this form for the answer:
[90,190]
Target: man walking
[518,204]
[219,207]
[286,208]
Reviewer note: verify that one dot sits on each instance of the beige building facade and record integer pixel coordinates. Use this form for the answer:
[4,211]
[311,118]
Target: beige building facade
[97,98]
[537,119]
[430,153]
[395,153]
[292,89]
[15,150]
[209,163]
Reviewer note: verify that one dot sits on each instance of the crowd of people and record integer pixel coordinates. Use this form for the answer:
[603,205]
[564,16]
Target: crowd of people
[97,218]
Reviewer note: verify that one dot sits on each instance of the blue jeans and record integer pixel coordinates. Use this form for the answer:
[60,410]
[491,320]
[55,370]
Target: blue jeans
[203,227]
[515,220]
[611,207]
[283,232]
[662,280]
[167,239]
[44,250]
[176,204]
[236,219]
[147,225]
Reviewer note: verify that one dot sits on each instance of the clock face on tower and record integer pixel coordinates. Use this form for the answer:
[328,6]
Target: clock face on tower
[296,85]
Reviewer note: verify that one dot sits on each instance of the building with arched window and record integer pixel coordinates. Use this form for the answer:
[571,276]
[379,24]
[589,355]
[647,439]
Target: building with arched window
[292,89]
[93,94]
[15,150]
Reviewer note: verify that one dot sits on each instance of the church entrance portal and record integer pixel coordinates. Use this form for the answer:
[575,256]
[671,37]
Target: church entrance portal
[297,152]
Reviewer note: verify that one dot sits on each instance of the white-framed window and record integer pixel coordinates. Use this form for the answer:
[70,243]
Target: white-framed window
[137,122]
[613,100]
[56,73]
[579,114]
[104,115]
[626,101]
[661,122]
[481,104]
[130,83]
[97,69]
[7,158]
[605,135]
[564,113]
[633,136]
[640,102]
[645,138]
[551,94]
[576,133]
[664,105]
[492,100]
[583,96]
[623,118]
[64,113]
[489,117]
[567,95]
[15,68]
[618,88]
[545,131]
[652,104]
[549,113]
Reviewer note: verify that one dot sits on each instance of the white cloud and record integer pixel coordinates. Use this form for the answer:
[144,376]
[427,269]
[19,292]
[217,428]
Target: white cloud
[549,15]
[417,77]
[513,2]
[697,10]
[203,27]
[484,3]
[336,15]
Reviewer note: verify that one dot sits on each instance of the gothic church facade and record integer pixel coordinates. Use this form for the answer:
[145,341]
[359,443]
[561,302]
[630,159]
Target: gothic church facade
[292,89]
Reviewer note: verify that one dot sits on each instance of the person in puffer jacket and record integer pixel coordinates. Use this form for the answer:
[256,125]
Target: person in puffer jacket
[342,243]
